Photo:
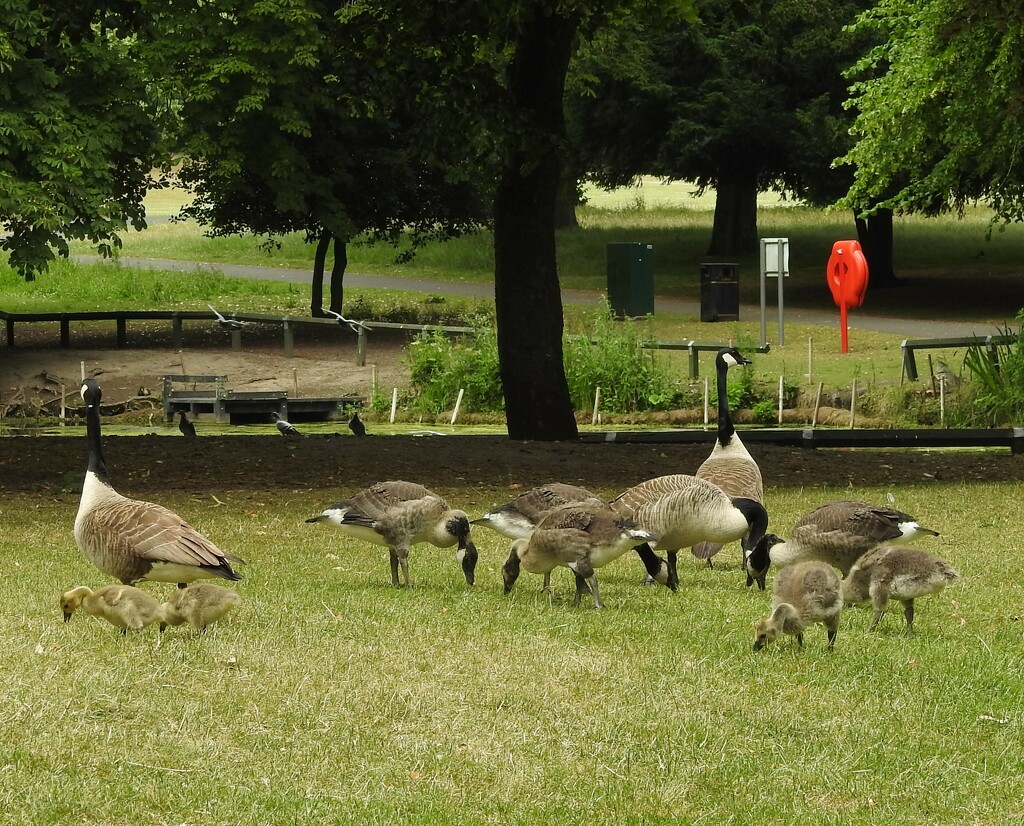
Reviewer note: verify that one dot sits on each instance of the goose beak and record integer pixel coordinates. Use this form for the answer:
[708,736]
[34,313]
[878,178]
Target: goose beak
[67,616]
[319,518]
[467,557]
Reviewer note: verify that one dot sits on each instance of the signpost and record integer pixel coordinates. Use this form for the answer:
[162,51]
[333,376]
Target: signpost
[774,264]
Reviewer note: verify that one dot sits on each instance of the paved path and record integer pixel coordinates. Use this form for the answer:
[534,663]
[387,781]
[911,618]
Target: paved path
[905,328]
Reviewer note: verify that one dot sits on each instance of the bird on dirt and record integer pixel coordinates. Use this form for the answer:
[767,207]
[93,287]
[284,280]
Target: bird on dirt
[130,539]
[283,427]
[185,426]
[355,424]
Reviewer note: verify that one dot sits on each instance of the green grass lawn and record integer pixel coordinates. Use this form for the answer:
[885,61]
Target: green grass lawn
[331,697]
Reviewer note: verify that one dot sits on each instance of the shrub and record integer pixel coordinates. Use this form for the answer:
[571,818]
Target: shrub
[1000,395]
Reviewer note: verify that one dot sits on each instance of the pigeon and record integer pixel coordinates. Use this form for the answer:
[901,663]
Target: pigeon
[356,326]
[355,424]
[286,428]
[185,426]
[229,323]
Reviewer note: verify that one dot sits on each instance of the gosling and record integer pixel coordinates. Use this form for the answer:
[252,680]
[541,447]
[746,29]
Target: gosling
[199,605]
[129,608]
[895,572]
[802,595]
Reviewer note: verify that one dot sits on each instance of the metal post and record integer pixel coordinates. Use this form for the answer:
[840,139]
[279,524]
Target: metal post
[361,347]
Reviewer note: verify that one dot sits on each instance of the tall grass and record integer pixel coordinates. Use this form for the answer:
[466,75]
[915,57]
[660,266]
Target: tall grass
[332,697]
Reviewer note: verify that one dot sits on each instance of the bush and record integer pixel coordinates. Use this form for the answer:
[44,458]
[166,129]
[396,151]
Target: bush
[999,398]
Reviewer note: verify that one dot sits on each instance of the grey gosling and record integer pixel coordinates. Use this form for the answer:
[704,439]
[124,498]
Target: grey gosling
[683,510]
[802,595]
[896,572]
[580,537]
[838,533]
[133,540]
[199,605]
[399,515]
[730,465]
[130,609]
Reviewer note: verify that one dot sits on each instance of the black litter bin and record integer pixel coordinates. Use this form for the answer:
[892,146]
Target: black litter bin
[719,292]
[631,279]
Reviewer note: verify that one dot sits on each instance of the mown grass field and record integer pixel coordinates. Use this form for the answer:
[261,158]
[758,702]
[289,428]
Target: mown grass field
[331,697]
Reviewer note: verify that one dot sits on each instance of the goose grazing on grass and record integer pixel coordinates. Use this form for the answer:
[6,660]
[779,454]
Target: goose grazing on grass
[895,572]
[838,533]
[199,605]
[683,510]
[283,427]
[729,466]
[185,426]
[356,425]
[802,595]
[132,540]
[402,514]
[130,609]
[580,537]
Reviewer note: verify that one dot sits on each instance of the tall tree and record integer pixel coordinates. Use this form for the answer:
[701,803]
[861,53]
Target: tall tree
[939,115]
[79,126]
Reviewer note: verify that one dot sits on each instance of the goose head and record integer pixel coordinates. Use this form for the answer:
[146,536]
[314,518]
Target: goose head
[71,600]
[758,560]
[458,526]
[91,393]
[510,570]
[731,357]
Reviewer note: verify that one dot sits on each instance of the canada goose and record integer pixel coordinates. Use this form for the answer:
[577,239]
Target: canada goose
[185,426]
[683,510]
[730,465]
[838,533]
[898,572]
[355,424]
[580,537]
[132,540]
[130,609]
[199,605]
[399,515]
[802,594]
[283,427]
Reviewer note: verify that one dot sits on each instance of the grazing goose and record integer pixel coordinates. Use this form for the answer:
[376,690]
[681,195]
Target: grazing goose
[895,572]
[683,510]
[838,533]
[356,425]
[802,594]
[132,540]
[283,427]
[580,537]
[729,466]
[185,426]
[400,515]
[130,609]
[199,605]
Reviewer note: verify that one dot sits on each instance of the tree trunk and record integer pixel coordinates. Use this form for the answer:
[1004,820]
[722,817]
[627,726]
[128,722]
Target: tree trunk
[568,199]
[875,234]
[735,228]
[527,296]
[316,297]
[338,275]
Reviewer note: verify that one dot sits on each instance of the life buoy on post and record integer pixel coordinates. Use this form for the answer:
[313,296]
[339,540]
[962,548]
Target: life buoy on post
[847,277]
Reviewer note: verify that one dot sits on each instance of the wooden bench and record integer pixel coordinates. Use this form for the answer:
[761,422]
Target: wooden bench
[194,400]
[989,343]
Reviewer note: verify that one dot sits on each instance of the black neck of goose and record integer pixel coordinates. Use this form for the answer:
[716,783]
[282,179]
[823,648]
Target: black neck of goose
[92,433]
[757,518]
[725,426]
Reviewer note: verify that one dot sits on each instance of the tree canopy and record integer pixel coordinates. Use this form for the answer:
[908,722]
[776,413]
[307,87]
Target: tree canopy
[939,113]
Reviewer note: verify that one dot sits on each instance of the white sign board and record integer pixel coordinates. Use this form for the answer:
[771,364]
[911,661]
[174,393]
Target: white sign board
[774,263]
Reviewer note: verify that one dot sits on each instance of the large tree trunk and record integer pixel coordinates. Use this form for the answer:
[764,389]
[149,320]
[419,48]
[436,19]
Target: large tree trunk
[875,234]
[527,296]
[568,198]
[338,275]
[735,228]
[316,296]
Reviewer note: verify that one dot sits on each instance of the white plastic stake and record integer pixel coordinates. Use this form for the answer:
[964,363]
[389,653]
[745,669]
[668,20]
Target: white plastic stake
[82,364]
[394,403]
[458,404]
[817,404]
[707,401]
[780,399]
[942,400]
[810,358]
[853,405]
[63,412]
[597,405]
[295,381]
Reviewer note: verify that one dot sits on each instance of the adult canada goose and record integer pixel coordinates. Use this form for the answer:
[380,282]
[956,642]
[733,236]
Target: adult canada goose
[402,514]
[199,605]
[683,510]
[802,594]
[132,540]
[839,533]
[580,537]
[356,425]
[130,609]
[185,426]
[283,427]
[895,572]
[730,465]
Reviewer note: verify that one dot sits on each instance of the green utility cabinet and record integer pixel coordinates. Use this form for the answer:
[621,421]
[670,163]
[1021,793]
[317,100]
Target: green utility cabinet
[631,279]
